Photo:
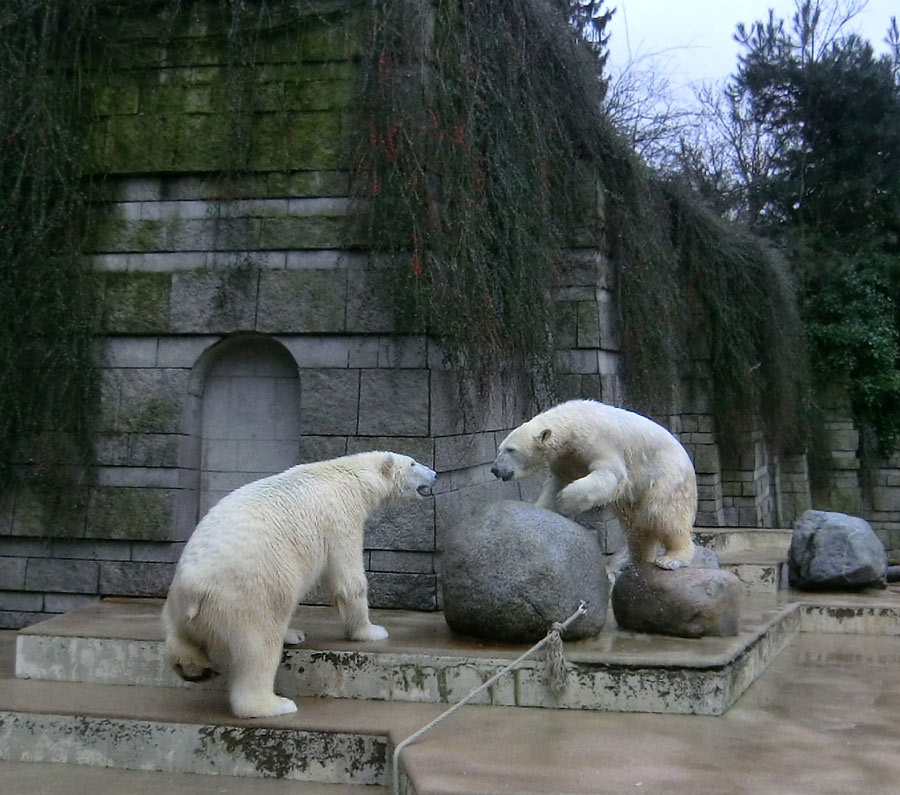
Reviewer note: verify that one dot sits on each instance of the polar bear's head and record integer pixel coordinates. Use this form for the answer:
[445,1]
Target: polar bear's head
[522,453]
[410,478]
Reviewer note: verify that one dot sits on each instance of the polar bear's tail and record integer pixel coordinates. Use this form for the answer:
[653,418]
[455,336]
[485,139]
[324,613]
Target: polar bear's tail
[188,660]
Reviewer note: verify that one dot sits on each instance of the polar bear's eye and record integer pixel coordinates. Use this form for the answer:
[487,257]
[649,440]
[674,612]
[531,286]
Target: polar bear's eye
[412,463]
[510,450]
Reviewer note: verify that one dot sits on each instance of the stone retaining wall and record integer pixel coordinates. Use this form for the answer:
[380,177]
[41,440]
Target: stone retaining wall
[246,329]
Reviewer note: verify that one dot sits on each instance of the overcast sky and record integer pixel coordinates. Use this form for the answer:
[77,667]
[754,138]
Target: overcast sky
[692,40]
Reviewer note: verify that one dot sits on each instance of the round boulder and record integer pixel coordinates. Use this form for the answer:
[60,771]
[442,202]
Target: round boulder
[833,550]
[511,569]
[687,603]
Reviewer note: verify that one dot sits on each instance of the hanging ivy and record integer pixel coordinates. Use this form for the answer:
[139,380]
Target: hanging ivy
[468,163]
[47,302]
[477,123]
[476,115]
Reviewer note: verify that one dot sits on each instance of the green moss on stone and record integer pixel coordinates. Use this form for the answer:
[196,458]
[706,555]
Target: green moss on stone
[302,301]
[310,232]
[131,514]
[140,143]
[146,236]
[296,141]
[588,324]
[566,325]
[136,303]
[49,510]
[153,415]
[214,301]
[119,97]
[203,144]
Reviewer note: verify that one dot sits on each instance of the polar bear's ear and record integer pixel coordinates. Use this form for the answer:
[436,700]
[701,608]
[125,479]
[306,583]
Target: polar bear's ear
[543,436]
[387,465]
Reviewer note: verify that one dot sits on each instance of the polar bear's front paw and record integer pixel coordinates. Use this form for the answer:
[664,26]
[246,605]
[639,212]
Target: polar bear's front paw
[294,637]
[572,500]
[371,632]
[669,563]
[263,707]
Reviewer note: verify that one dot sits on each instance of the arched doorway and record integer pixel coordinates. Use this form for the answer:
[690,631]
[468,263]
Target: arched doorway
[249,423]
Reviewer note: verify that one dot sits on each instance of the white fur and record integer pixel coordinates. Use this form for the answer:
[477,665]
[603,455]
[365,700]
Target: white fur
[259,550]
[598,455]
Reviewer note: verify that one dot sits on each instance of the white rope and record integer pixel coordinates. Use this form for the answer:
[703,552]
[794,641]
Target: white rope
[557,681]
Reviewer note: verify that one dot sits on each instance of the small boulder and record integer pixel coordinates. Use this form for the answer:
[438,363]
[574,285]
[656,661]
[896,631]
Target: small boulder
[832,550]
[511,569]
[688,603]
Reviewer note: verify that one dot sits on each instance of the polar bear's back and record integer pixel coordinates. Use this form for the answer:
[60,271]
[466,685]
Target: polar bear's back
[595,423]
[283,517]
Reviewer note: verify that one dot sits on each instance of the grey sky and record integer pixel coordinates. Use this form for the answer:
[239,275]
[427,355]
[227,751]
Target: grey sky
[692,40]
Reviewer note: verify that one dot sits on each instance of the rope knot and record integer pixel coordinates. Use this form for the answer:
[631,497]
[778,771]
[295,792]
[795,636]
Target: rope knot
[555,671]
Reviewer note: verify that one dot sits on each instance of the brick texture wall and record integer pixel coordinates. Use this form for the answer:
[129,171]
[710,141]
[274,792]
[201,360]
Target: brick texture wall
[244,329]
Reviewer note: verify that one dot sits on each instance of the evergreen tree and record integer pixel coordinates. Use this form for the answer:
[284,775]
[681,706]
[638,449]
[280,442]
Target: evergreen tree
[831,114]
[834,120]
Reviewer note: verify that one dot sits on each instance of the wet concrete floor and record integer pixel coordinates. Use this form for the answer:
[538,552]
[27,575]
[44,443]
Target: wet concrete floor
[824,718]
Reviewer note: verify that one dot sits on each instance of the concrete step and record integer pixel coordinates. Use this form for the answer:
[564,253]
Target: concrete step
[44,778]
[26,778]
[743,539]
[817,690]
[120,642]
[189,731]
[762,571]
[842,684]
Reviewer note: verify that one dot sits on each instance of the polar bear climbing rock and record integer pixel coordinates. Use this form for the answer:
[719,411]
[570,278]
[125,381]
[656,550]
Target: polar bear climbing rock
[601,455]
[259,550]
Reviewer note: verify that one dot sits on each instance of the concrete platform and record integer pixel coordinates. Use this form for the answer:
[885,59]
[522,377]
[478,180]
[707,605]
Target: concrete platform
[756,555]
[762,571]
[190,731]
[120,642]
[744,539]
[820,719]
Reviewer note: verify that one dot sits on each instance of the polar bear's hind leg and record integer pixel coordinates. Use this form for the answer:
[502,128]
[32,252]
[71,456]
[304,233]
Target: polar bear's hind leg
[188,660]
[679,552]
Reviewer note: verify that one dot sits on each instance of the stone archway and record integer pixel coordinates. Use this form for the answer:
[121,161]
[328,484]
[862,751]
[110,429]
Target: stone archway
[249,417]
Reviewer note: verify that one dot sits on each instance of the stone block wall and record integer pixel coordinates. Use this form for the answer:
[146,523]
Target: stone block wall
[884,491]
[245,329]
[862,486]
[748,499]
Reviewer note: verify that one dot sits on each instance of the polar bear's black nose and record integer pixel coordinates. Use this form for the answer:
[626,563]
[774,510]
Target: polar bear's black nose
[495,472]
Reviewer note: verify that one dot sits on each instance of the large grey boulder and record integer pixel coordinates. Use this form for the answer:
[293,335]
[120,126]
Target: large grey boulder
[832,550]
[688,603]
[511,569]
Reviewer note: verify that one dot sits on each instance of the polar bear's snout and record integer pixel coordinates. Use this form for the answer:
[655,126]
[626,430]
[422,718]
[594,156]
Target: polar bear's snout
[426,478]
[502,468]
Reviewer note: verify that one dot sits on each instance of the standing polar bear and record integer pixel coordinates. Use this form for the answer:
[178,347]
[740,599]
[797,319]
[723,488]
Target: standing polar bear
[597,455]
[259,550]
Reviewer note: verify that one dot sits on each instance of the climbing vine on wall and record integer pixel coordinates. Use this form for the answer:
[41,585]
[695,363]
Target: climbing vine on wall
[471,155]
[47,378]
[467,163]
[476,119]
[746,322]
[60,61]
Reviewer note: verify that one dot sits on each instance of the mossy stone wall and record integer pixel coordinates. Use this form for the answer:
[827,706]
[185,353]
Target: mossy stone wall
[227,217]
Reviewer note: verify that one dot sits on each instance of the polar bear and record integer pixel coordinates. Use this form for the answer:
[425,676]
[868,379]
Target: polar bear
[597,455]
[259,550]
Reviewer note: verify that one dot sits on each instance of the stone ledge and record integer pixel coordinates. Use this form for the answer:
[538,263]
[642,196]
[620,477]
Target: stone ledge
[120,642]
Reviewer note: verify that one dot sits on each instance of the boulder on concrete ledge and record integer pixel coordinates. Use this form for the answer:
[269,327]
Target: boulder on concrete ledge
[831,550]
[511,569]
[687,603]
